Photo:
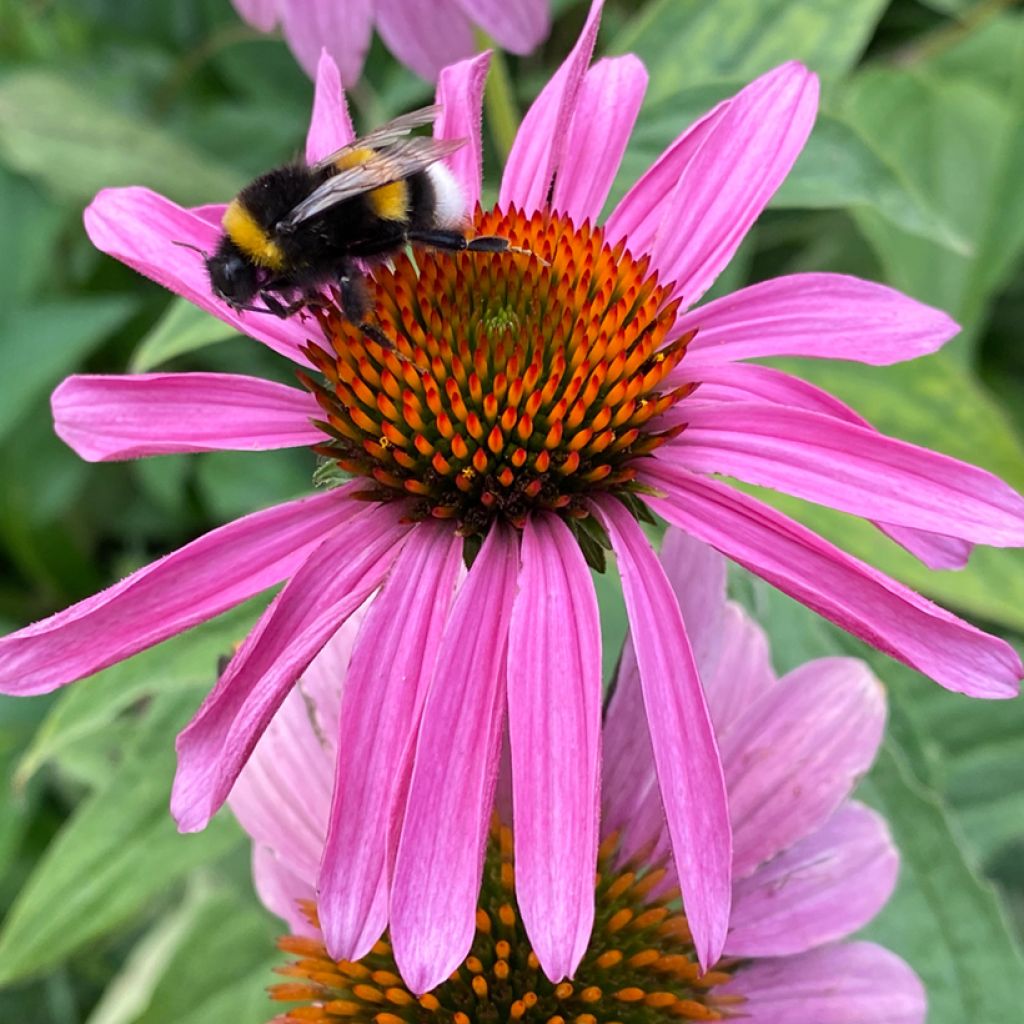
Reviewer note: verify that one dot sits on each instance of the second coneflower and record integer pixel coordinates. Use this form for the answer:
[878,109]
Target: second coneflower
[525,413]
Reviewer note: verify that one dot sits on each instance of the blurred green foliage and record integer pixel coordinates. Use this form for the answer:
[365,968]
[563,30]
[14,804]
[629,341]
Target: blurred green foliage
[912,177]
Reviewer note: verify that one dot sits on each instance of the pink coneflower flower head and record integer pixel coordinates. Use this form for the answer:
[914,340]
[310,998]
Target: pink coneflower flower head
[526,411]
[425,35]
[811,866]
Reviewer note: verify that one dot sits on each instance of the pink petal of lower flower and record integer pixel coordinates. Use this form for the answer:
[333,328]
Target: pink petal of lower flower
[554,715]
[796,754]
[743,382]
[830,316]
[518,27]
[425,35]
[142,229]
[342,29]
[330,126]
[542,136]
[189,586]
[850,468]
[125,417]
[685,751]
[333,582]
[606,110]
[743,671]
[441,850]
[261,14]
[730,179]
[855,596]
[850,983]
[821,889]
[460,92]
[384,693]
[280,890]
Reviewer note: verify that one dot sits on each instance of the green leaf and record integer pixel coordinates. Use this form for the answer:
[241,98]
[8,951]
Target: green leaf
[943,919]
[688,42]
[52,129]
[42,344]
[117,854]
[184,664]
[183,328]
[29,224]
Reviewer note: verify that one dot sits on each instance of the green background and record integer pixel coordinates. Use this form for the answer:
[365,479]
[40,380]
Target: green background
[912,176]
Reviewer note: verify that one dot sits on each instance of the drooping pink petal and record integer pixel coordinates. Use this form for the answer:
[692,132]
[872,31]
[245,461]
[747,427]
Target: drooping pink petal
[743,382]
[849,983]
[142,229]
[180,590]
[542,136]
[606,110]
[829,316]
[823,888]
[848,467]
[384,694]
[126,417]
[730,179]
[440,853]
[797,752]
[639,214]
[330,126]
[518,27]
[261,14]
[554,715]
[685,752]
[855,596]
[460,92]
[333,582]
[742,672]
[342,29]
[426,35]
[280,889]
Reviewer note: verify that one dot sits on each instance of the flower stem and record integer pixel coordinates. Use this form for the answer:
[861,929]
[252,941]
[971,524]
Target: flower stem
[500,102]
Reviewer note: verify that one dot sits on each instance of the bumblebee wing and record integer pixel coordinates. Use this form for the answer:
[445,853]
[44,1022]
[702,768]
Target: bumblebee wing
[394,162]
[385,134]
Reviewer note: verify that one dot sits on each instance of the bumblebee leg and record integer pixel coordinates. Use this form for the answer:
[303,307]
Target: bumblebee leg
[355,304]
[454,241]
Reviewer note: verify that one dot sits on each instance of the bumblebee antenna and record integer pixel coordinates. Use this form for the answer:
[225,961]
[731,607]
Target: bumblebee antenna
[194,248]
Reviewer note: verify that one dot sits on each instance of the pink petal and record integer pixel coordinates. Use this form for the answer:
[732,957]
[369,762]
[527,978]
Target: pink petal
[850,468]
[425,35]
[189,586]
[640,213]
[282,796]
[830,316]
[261,14]
[460,92]
[606,110]
[519,26]
[542,136]
[822,889]
[339,575]
[742,673]
[440,853]
[126,417]
[384,694]
[141,229]
[280,890]
[730,179]
[852,983]
[689,769]
[554,716]
[796,754]
[342,29]
[330,126]
[843,589]
[745,381]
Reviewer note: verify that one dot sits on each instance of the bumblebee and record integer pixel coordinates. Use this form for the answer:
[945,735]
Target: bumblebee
[302,226]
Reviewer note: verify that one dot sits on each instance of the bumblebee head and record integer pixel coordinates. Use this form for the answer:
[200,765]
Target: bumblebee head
[233,278]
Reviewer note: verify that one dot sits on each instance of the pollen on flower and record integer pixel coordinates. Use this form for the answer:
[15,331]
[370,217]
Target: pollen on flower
[514,381]
[640,967]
